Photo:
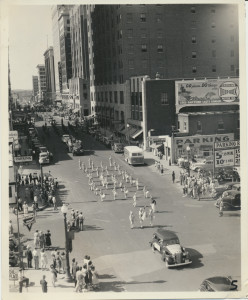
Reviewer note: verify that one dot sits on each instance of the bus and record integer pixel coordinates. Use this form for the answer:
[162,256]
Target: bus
[133,155]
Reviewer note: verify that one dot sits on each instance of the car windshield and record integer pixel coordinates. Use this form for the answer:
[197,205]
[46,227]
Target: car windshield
[171,242]
[43,154]
[43,149]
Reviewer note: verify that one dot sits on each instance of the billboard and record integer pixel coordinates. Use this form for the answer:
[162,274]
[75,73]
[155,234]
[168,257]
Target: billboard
[207,92]
[227,154]
[23,158]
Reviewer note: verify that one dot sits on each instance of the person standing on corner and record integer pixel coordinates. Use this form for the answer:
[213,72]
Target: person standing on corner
[173,176]
[43,284]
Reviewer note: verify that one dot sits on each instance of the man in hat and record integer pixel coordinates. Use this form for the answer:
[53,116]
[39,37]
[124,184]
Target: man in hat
[22,279]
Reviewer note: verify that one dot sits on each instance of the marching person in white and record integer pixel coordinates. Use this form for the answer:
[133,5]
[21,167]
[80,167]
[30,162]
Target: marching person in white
[131,219]
[79,164]
[125,190]
[151,215]
[141,218]
[137,184]
[114,193]
[110,161]
[102,195]
[134,200]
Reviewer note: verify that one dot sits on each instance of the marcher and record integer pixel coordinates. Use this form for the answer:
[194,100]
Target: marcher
[54,203]
[153,205]
[102,195]
[134,200]
[141,217]
[173,176]
[73,268]
[48,242]
[43,284]
[114,193]
[131,219]
[137,184]
[151,215]
[79,164]
[221,208]
[81,221]
[36,259]
[95,280]
[125,192]
[43,259]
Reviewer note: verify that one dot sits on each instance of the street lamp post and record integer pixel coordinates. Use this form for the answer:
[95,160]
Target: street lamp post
[128,134]
[188,153]
[41,174]
[64,210]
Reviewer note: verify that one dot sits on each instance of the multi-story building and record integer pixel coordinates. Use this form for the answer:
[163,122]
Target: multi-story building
[79,83]
[41,82]
[35,86]
[62,49]
[50,75]
[176,41]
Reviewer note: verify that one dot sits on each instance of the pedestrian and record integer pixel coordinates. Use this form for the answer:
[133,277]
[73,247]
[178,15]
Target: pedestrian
[81,221]
[54,203]
[147,194]
[131,219]
[102,195]
[89,160]
[63,261]
[95,280]
[199,192]
[221,208]
[36,259]
[73,268]
[53,275]
[36,239]
[22,279]
[151,215]
[11,230]
[29,256]
[25,208]
[43,284]
[114,193]
[19,204]
[42,239]
[58,261]
[77,219]
[137,184]
[43,259]
[134,200]
[125,190]
[173,176]
[79,164]
[48,242]
[80,280]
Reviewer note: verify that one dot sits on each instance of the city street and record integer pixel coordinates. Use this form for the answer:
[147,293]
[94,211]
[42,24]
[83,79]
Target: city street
[123,256]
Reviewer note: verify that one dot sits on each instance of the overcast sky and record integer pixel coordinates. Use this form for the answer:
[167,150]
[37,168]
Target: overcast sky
[29,27]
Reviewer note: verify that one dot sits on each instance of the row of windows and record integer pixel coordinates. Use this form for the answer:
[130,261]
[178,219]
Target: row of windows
[213,40]
[194,53]
[214,69]
[220,125]
[109,97]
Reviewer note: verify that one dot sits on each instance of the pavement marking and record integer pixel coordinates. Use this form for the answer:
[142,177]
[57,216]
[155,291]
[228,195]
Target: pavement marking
[205,249]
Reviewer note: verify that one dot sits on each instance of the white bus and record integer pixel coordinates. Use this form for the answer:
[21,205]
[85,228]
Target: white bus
[134,155]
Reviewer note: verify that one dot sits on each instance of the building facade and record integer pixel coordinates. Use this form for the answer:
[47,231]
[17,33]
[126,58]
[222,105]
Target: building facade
[35,86]
[41,82]
[50,74]
[176,41]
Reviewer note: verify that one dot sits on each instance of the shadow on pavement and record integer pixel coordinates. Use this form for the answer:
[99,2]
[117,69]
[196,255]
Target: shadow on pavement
[91,227]
[196,258]
[106,276]
[149,161]
[164,211]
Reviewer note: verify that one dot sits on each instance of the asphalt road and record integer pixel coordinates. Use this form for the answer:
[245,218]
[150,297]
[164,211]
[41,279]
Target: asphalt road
[123,256]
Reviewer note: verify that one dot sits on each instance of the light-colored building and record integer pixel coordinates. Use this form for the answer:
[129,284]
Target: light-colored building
[41,82]
[35,86]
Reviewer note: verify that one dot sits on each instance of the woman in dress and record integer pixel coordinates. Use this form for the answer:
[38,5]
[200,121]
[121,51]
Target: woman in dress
[53,275]
[25,208]
[48,242]
[43,259]
[36,239]
[95,280]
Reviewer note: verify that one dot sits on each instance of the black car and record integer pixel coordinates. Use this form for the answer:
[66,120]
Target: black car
[218,284]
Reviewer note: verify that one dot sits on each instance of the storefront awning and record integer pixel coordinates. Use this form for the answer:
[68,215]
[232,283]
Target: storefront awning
[156,146]
[137,133]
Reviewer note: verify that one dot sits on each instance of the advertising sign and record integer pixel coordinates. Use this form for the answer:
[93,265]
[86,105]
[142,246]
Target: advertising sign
[229,144]
[237,157]
[207,92]
[203,139]
[224,158]
[23,158]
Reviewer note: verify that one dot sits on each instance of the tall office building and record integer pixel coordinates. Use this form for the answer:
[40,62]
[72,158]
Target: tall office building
[176,41]
[35,86]
[62,49]
[79,83]
[50,76]
[41,82]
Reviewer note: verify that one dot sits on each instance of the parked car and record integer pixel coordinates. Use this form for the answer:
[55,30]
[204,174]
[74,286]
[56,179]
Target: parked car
[218,284]
[44,158]
[167,244]
[206,165]
[219,190]
[118,147]
[231,199]
[77,148]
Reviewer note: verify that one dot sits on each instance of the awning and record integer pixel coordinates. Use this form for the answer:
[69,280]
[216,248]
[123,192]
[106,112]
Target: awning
[137,133]
[76,110]
[156,146]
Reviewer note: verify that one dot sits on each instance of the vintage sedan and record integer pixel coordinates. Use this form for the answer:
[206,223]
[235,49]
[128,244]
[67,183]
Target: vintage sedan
[218,284]
[167,244]
[230,198]
[118,147]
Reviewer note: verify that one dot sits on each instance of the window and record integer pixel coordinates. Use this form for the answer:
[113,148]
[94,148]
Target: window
[232,53]
[121,97]
[220,125]
[144,63]
[129,18]
[213,68]
[164,99]
[160,48]
[130,33]
[213,53]
[143,33]
[193,69]
[130,64]
[130,48]
[184,126]
[10,192]
[158,18]
[232,38]
[144,48]
[193,54]
[106,96]
[193,10]
[199,126]
[213,25]
[116,97]
[232,68]
[110,97]
[238,123]
[193,39]
[193,24]
[143,17]
[160,34]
